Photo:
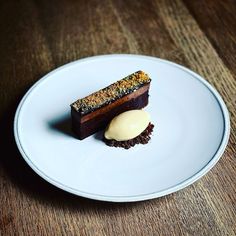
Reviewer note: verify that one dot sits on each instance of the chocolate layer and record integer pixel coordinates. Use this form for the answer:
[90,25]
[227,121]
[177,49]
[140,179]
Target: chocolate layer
[88,126]
[118,102]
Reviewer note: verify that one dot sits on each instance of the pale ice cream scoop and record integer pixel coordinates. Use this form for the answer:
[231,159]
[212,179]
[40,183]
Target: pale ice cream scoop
[127,125]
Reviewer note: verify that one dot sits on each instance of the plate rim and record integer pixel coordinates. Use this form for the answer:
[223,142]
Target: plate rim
[204,170]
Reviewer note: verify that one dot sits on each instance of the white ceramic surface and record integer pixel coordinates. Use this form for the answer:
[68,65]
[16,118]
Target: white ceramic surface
[190,134]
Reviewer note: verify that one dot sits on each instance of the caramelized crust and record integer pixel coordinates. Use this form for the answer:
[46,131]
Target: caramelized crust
[111,93]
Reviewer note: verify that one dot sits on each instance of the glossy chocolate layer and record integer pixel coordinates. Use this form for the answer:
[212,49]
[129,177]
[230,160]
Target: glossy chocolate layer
[118,102]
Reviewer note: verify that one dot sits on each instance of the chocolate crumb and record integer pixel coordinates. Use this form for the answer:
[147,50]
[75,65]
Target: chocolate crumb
[143,138]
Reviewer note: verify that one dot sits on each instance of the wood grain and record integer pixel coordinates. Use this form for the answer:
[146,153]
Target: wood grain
[38,36]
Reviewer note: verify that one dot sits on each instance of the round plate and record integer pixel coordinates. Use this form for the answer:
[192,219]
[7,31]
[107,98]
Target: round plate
[190,134]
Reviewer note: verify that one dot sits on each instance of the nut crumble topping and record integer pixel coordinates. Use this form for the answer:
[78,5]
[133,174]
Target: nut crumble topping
[114,91]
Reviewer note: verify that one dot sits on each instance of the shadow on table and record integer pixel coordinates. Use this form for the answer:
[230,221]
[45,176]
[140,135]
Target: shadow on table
[26,180]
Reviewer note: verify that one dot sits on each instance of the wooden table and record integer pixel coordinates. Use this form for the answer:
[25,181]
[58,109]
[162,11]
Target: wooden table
[40,35]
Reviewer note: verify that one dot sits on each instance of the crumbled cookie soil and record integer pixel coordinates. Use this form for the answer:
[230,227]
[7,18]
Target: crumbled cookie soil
[143,138]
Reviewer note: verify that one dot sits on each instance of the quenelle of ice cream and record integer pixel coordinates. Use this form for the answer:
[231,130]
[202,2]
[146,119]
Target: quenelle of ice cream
[127,125]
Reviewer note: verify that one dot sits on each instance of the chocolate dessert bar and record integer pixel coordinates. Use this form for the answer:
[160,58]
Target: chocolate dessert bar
[92,113]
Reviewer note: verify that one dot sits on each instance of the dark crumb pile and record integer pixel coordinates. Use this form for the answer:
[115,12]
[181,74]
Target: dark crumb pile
[143,138]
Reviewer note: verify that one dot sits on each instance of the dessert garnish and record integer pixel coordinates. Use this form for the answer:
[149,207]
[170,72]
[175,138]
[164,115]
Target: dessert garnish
[129,128]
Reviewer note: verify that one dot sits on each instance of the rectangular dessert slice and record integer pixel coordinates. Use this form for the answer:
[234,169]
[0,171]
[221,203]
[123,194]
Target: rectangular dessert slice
[93,113]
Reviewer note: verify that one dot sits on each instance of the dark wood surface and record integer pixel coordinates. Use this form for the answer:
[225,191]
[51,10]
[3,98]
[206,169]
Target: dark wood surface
[40,35]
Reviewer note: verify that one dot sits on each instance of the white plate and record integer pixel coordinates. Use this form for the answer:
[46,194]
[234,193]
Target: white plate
[191,131]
